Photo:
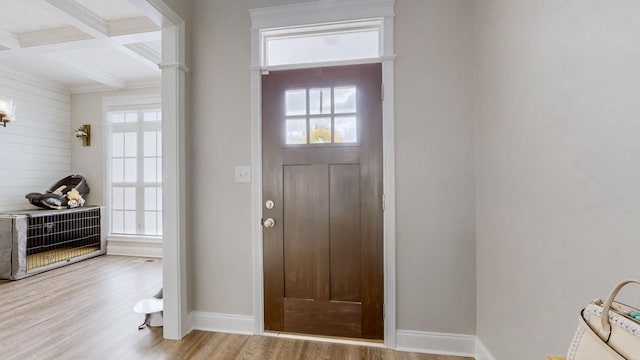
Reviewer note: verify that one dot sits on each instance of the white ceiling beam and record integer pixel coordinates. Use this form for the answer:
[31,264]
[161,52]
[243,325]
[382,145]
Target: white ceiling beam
[82,18]
[149,63]
[134,31]
[148,10]
[9,40]
[137,38]
[145,52]
[90,72]
[92,24]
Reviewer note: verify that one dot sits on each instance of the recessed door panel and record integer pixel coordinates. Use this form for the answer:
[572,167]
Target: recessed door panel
[345,235]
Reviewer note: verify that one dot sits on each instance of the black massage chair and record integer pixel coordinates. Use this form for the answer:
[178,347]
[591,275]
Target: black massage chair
[56,196]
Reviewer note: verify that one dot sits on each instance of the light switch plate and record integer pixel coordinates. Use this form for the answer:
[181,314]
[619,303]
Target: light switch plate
[243,174]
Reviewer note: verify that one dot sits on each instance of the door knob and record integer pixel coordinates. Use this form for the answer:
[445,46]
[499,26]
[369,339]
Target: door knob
[268,223]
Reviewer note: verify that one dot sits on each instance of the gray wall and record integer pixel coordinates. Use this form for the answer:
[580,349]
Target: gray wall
[557,165]
[90,161]
[434,154]
[434,166]
[554,89]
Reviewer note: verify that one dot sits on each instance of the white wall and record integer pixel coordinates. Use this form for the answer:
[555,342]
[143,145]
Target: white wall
[35,149]
[436,255]
[89,161]
[557,165]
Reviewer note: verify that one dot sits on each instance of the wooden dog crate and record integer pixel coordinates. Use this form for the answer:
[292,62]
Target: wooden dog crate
[34,241]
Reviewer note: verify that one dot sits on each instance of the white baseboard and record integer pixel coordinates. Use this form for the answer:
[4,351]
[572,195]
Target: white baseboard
[407,340]
[226,323]
[134,248]
[482,353]
[436,343]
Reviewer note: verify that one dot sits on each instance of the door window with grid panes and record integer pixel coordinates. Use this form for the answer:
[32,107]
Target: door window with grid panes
[321,116]
[136,171]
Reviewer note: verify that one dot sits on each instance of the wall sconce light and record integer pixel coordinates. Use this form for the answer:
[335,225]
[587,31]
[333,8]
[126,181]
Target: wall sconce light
[84,134]
[7,111]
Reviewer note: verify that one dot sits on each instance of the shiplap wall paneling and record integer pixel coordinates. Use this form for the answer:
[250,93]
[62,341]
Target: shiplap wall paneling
[35,150]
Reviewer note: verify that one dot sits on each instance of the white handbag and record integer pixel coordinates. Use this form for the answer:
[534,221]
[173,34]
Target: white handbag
[612,336]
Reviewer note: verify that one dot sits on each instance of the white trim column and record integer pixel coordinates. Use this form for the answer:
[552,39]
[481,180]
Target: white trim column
[389,183]
[173,217]
[256,190]
[174,264]
[174,187]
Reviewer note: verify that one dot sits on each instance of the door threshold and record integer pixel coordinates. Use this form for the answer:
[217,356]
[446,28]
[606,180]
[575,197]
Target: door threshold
[328,339]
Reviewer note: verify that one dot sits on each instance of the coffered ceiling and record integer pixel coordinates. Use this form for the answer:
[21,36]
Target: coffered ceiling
[85,45]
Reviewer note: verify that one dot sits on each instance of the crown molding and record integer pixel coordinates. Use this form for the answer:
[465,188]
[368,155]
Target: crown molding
[320,12]
[34,81]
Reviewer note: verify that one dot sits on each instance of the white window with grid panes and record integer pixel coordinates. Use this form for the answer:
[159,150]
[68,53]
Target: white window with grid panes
[135,170]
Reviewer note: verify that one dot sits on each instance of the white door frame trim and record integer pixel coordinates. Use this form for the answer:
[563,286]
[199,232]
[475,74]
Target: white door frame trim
[317,13]
[173,89]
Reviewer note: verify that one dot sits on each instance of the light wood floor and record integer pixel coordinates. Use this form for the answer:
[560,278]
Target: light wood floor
[83,311]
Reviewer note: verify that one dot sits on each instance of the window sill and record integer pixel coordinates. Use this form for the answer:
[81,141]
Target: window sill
[134,245]
[135,239]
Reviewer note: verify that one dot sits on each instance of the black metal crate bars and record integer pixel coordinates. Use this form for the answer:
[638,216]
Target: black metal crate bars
[43,239]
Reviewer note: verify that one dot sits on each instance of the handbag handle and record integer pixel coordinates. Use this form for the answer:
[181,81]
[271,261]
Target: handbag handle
[605,329]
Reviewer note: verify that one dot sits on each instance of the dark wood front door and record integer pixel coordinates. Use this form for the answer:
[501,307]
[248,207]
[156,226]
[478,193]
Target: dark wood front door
[322,187]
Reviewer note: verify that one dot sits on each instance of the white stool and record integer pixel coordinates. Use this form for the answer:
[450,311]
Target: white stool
[152,308]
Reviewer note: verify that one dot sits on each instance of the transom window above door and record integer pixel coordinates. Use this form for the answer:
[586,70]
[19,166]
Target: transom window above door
[326,115]
[359,40]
